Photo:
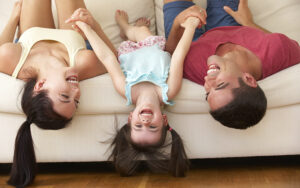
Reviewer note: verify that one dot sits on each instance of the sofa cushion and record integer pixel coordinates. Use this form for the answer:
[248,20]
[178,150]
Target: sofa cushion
[99,96]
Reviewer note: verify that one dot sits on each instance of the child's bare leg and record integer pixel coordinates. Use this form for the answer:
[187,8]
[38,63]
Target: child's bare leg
[135,33]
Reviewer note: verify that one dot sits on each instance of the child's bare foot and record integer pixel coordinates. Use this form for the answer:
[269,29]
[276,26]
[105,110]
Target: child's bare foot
[122,20]
[142,22]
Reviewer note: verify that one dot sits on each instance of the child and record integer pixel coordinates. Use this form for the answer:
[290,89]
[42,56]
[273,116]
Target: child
[148,77]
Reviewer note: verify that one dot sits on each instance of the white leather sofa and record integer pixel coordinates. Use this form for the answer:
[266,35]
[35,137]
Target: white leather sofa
[102,110]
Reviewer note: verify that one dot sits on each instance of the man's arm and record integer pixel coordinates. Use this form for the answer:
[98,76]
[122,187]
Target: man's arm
[244,16]
[177,31]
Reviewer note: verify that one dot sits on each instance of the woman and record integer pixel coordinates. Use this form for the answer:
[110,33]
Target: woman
[51,62]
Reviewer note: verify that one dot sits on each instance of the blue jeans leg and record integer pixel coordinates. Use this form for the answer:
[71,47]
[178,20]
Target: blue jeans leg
[216,15]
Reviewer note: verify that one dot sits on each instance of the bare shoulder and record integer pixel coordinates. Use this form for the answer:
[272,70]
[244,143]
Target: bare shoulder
[9,57]
[88,64]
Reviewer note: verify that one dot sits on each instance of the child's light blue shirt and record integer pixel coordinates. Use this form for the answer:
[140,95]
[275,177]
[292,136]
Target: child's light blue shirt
[147,64]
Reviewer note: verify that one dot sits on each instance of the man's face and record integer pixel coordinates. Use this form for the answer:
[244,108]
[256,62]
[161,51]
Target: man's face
[222,77]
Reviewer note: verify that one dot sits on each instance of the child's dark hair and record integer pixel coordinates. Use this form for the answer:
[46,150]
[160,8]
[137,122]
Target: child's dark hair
[126,155]
[39,110]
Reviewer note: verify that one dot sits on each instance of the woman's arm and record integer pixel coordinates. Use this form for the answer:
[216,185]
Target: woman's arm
[244,16]
[177,61]
[106,56]
[9,31]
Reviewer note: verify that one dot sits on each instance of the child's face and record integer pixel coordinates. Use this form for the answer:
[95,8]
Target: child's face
[146,125]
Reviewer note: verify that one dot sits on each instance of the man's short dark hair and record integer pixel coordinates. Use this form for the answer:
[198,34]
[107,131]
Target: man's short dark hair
[246,109]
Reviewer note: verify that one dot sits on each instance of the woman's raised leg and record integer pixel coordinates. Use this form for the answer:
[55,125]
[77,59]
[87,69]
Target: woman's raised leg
[65,9]
[36,13]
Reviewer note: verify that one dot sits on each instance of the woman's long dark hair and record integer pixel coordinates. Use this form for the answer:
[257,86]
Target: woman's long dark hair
[126,155]
[39,110]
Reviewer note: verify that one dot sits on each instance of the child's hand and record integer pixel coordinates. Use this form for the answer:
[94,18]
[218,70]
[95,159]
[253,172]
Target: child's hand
[16,12]
[192,22]
[82,26]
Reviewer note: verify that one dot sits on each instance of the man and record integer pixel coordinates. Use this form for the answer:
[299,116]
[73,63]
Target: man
[228,56]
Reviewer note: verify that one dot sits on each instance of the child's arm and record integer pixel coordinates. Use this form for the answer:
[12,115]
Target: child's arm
[9,31]
[177,61]
[106,56]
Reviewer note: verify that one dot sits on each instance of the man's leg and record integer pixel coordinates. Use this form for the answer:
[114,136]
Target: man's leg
[216,15]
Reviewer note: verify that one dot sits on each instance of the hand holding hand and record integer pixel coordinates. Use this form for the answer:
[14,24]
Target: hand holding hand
[81,19]
[193,11]
[192,22]
[243,15]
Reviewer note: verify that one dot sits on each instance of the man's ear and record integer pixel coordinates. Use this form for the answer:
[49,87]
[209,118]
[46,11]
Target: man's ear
[39,85]
[129,117]
[249,80]
[165,120]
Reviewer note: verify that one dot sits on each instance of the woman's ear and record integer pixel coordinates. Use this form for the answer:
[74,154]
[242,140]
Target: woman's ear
[39,85]
[165,120]
[249,80]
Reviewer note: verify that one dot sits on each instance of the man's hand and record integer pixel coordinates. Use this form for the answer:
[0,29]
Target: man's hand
[243,15]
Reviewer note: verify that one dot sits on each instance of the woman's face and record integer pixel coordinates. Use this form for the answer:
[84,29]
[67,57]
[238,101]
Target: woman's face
[63,90]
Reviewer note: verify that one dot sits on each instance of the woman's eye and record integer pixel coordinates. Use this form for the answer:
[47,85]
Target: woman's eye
[65,96]
[152,127]
[138,126]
